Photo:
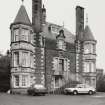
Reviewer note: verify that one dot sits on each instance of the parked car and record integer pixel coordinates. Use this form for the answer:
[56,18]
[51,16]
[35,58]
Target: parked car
[80,88]
[37,89]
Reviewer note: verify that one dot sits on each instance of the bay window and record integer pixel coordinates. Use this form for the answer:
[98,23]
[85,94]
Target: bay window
[25,59]
[16,59]
[24,80]
[16,35]
[16,80]
[89,67]
[24,34]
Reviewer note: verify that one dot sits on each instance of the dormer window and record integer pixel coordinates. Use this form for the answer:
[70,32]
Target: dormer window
[61,40]
[54,29]
[61,44]
[16,35]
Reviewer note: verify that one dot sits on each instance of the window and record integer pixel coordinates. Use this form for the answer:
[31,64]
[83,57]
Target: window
[61,44]
[87,81]
[31,60]
[87,67]
[16,80]
[54,30]
[61,64]
[16,35]
[16,58]
[24,34]
[25,59]
[89,48]
[92,67]
[24,80]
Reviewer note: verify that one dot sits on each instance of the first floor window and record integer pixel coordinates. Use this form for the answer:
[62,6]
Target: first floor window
[31,60]
[16,58]
[92,67]
[16,78]
[89,67]
[25,59]
[61,65]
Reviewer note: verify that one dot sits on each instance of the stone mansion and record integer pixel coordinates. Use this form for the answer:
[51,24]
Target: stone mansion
[48,54]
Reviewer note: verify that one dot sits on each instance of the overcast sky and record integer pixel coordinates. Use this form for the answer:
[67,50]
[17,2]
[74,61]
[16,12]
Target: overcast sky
[58,11]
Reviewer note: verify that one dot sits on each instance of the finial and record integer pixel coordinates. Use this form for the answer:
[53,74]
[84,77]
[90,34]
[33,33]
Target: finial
[22,1]
[43,5]
[86,18]
[63,24]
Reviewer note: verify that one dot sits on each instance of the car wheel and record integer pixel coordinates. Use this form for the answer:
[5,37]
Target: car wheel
[90,92]
[33,94]
[66,93]
[75,92]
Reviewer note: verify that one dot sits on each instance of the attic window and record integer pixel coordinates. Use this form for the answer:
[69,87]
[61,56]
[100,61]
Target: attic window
[53,29]
[61,45]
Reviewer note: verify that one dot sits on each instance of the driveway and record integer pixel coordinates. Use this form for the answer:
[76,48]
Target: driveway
[98,99]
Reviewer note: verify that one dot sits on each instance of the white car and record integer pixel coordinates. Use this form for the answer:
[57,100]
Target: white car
[80,88]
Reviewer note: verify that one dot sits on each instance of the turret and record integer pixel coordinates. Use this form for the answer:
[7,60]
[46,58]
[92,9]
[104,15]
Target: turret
[22,52]
[89,57]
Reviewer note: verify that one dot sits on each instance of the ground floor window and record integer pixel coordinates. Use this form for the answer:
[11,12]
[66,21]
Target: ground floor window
[24,80]
[87,81]
[16,80]
[20,81]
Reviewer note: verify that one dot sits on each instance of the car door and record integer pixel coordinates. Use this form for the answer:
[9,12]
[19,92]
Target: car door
[81,89]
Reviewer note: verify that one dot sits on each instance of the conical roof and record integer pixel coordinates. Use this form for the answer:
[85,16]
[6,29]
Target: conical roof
[88,36]
[22,16]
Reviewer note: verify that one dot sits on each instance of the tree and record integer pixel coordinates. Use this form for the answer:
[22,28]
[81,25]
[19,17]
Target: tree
[5,72]
[101,84]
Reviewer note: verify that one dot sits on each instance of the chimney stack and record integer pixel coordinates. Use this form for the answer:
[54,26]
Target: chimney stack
[79,22]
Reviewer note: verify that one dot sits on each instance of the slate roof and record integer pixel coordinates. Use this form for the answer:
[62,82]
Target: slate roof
[88,36]
[22,16]
[69,37]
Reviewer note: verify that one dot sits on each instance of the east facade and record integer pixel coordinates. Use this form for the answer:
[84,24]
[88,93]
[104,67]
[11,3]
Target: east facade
[48,54]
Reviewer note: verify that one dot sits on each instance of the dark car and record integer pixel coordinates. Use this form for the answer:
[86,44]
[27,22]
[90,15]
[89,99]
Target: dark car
[37,89]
